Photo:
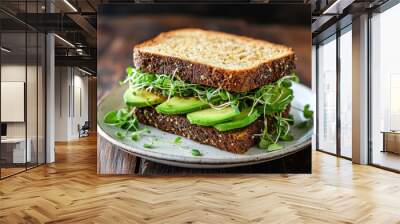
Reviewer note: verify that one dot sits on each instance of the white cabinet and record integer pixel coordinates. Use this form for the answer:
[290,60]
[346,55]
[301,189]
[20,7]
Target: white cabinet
[16,148]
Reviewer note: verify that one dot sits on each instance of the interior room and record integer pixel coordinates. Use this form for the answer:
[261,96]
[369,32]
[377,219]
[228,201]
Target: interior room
[334,92]
[60,59]
[384,88]
[22,103]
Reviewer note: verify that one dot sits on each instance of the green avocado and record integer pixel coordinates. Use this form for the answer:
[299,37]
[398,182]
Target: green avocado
[242,120]
[141,98]
[211,116]
[181,105]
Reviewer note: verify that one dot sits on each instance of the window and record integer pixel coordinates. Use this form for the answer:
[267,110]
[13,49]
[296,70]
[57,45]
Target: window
[385,87]
[346,92]
[22,75]
[334,106]
[327,96]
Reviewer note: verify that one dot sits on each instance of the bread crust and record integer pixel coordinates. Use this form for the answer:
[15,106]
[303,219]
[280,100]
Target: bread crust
[242,80]
[236,141]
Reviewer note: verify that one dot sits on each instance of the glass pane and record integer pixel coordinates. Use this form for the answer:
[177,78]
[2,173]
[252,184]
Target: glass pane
[327,96]
[31,98]
[41,98]
[385,84]
[345,94]
[13,86]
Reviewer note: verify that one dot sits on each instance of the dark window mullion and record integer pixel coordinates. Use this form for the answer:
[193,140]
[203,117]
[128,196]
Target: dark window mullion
[26,87]
[369,100]
[317,97]
[338,74]
[37,90]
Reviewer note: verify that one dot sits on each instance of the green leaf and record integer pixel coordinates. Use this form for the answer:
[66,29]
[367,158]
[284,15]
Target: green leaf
[178,140]
[274,147]
[287,83]
[123,114]
[294,78]
[148,145]
[135,136]
[129,71]
[287,137]
[147,130]
[196,152]
[264,143]
[302,125]
[307,113]
[133,124]
[223,95]
[122,124]
[290,119]
[111,118]
[235,107]
[119,135]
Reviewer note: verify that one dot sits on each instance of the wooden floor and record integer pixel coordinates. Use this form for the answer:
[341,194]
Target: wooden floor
[70,191]
[10,171]
[386,159]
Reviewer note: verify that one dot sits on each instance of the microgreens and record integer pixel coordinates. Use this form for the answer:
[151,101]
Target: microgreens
[125,119]
[148,145]
[308,115]
[270,100]
[177,140]
[196,152]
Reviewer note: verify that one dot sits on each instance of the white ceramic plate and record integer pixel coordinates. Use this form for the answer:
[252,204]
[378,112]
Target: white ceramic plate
[166,152]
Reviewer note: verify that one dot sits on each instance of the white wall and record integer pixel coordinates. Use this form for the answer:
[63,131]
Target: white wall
[12,73]
[71,94]
[81,94]
[61,104]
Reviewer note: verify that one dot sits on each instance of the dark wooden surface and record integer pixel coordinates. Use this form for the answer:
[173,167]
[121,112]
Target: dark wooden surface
[116,38]
[299,162]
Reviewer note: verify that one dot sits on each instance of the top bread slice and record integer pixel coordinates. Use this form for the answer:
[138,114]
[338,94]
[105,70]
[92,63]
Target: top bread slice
[231,62]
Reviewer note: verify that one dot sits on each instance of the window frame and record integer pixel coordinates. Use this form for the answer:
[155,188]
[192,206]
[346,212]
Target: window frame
[26,30]
[380,9]
[336,35]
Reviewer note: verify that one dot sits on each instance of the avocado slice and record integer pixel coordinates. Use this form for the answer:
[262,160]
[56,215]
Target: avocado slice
[181,105]
[242,120]
[141,98]
[211,116]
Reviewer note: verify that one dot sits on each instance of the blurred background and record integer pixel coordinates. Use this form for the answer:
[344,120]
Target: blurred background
[117,33]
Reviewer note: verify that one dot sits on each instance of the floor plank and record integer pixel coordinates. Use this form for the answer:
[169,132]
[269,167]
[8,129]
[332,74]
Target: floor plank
[70,191]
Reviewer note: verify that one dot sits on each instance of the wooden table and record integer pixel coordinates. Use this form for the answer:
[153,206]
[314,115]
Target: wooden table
[391,141]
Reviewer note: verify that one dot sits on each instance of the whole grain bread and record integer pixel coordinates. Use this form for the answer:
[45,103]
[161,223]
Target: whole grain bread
[231,62]
[235,141]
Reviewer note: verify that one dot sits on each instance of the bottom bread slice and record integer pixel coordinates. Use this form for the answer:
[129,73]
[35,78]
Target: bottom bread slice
[235,141]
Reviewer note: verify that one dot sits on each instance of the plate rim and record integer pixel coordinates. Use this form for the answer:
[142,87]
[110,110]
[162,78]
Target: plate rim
[198,161]
[250,159]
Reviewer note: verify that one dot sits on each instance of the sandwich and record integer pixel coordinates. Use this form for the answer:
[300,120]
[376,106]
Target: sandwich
[228,91]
